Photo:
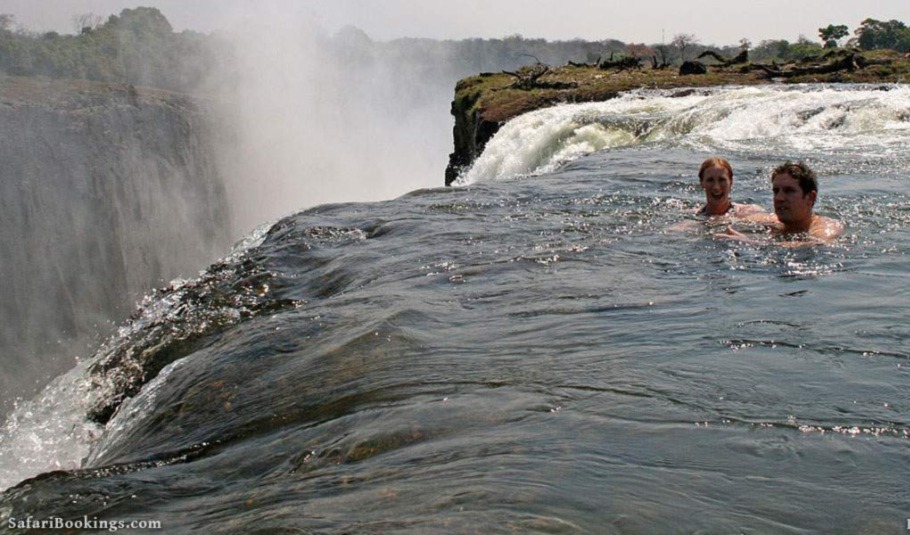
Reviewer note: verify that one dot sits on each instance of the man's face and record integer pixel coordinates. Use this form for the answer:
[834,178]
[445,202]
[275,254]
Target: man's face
[790,203]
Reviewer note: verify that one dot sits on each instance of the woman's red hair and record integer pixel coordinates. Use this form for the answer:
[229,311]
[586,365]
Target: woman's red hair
[715,162]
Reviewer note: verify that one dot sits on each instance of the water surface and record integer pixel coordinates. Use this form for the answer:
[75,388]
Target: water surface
[538,349]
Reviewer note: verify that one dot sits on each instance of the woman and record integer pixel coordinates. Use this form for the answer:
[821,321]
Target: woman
[716,177]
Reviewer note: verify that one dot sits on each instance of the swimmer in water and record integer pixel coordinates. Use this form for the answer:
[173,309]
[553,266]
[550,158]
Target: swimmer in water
[795,188]
[716,177]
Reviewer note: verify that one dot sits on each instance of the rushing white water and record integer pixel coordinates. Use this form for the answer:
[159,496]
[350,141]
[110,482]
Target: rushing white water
[49,432]
[867,121]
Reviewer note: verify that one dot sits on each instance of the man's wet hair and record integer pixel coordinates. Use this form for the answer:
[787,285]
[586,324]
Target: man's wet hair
[808,181]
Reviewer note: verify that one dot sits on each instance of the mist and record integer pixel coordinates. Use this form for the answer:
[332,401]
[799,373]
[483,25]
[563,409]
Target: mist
[101,203]
[313,118]
[292,116]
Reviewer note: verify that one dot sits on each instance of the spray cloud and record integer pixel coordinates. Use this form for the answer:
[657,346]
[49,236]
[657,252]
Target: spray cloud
[316,118]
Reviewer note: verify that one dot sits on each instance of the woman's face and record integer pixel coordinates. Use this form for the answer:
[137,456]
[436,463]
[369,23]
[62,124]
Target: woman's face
[716,182]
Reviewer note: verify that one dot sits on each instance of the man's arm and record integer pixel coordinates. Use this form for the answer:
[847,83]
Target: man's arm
[735,235]
[823,231]
[762,218]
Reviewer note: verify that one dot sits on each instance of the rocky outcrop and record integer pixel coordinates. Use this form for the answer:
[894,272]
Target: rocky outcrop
[107,191]
[485,102]
[692,67]
[471,132]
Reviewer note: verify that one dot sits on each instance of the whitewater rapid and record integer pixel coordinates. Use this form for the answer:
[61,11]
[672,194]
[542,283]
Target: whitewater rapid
[796,120]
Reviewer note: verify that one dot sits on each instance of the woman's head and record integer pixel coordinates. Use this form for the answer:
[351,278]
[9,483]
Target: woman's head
[716,177]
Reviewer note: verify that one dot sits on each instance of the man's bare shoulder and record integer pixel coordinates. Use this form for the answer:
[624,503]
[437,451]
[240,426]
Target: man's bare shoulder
[823,231]
[826,229]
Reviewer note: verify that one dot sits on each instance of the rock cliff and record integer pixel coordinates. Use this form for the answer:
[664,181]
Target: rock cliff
[107,191]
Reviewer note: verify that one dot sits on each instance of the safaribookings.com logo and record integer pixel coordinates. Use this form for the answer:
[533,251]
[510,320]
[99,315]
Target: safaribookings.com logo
[82,523]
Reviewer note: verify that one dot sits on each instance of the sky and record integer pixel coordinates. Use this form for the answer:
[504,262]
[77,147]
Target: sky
[711,21]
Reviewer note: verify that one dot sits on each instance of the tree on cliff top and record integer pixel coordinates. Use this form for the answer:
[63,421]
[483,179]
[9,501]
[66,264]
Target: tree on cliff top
[141,21]
[875,34]
[683,41]
[831,33]
[138,47]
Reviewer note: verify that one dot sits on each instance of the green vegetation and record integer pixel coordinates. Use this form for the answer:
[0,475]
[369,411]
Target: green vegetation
[877,35]
[137,47]
[831,33]
[782,51]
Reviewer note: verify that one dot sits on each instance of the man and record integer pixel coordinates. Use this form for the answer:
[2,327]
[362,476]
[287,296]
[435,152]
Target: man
[795,188]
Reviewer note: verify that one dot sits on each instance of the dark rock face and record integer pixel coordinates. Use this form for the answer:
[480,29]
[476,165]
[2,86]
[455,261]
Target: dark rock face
[105,192]
[471,133]
[692,67]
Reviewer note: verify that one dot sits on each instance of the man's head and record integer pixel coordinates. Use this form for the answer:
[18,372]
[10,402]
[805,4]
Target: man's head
[808,181]
[795,188]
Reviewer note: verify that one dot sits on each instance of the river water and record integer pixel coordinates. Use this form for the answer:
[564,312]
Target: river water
[541,348]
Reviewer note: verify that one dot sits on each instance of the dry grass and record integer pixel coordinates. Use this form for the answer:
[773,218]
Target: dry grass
[496,99]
